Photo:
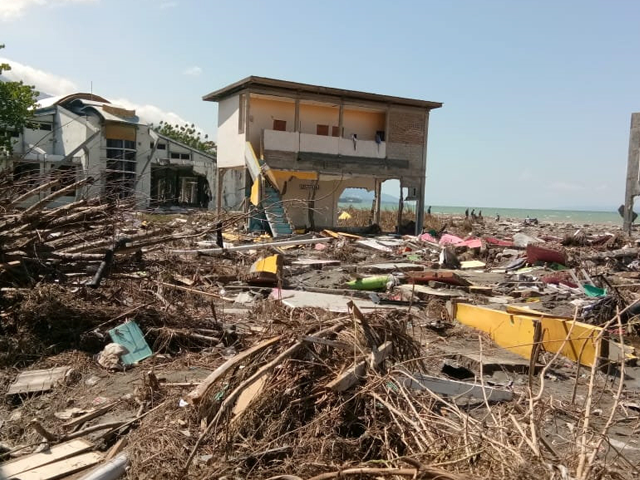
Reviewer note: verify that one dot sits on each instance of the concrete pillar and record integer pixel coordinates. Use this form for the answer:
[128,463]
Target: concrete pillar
[400,207]
[219,188]
[633,166]
[296,121]
[420,208]
[340,120]
[377,202]
[423,179]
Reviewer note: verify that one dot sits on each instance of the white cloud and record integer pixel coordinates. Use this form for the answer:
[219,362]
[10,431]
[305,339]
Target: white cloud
[151,113]
[43,81]
[193,71]
[12,9]
[165,5]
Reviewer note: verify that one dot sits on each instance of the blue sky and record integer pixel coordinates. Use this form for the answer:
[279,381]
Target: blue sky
[537,95]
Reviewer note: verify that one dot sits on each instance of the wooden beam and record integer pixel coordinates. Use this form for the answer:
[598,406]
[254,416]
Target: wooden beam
[353,375]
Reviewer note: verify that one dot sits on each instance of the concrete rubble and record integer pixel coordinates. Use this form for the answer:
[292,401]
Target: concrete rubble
[319,355]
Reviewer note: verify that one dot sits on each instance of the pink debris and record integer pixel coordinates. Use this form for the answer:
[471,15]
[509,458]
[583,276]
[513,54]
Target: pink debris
[426,237]
[498,242]
[471,243]
[448,239]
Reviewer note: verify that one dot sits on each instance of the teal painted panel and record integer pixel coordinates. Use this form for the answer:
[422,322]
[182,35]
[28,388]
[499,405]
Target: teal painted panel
[131,337]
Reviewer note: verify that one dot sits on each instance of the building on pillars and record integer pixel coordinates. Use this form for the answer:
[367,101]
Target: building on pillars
[299,146]
[83,135]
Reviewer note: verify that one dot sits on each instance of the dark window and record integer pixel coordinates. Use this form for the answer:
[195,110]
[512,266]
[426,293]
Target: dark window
[162,146]
[380,135]
[15,133]
[185,156]
[280,125]
[335,131]
[322,130]
[46,126]
[175,155]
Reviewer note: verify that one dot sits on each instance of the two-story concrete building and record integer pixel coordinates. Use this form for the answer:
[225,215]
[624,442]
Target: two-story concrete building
[85,135]
[299,146]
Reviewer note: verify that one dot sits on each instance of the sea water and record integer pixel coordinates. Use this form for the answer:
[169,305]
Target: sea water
[578,217]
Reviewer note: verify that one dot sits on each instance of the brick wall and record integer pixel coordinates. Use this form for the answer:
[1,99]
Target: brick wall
[406,127]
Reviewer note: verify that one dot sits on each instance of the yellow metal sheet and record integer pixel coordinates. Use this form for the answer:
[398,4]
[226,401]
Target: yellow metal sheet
[255,192]
[515,332]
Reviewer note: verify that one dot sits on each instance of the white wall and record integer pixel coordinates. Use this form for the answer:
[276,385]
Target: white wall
[231,144]
[306,142]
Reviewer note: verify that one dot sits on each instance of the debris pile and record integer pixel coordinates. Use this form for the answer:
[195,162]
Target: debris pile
[182,346]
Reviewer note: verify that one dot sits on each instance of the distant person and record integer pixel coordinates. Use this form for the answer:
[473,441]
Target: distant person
[429,210]
[473,215]
[480,214]
[497,217]
[466,213]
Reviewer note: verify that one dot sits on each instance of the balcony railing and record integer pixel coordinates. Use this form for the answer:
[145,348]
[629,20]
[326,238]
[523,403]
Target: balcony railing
[306,142]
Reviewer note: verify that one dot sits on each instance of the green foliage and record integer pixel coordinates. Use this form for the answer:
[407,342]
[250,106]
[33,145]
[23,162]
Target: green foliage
[17,102]
[187,134]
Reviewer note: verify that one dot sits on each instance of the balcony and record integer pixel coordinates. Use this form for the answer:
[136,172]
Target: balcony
[273,140]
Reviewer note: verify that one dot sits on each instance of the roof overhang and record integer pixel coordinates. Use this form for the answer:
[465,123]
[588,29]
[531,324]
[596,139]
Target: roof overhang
[289,89]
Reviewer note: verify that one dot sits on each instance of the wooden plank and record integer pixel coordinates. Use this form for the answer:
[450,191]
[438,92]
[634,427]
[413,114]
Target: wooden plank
[37,380]
[61,468]
[247,396]
[54,454]
[315,262]
[470,264]
[350,377]
[374,245]
[454,388]
[422,291]
[196,394]
[118,447]
[257,246]
[90,415]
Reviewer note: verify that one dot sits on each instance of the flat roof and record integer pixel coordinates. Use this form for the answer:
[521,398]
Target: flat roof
[284,87]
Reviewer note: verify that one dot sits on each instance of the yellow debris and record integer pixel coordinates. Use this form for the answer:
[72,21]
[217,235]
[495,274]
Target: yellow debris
[515,332]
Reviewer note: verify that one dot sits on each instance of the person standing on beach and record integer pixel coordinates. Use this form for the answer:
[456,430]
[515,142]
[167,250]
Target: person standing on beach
[466,213]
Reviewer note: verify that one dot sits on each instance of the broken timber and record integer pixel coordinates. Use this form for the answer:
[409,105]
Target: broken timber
[353,375]
[256,246]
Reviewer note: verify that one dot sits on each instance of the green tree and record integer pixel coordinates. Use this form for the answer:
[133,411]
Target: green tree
[187,134]
[17,102]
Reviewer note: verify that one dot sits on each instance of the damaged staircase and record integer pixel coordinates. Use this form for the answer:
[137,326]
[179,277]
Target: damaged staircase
[270,201]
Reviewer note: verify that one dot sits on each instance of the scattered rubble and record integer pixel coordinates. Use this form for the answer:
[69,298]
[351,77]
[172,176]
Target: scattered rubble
[133,344]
